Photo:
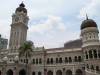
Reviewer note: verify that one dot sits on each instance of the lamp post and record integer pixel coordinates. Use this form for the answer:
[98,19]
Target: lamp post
[5,64]
[16,62]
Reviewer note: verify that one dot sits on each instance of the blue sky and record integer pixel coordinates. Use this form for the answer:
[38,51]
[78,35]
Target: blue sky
[52,22]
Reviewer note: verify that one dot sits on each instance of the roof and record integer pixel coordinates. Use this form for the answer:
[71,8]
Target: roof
[88,23]
[73,44]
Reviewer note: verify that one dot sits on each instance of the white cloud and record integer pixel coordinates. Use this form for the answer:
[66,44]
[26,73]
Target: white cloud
[91,8]
[52,22]
[4,28]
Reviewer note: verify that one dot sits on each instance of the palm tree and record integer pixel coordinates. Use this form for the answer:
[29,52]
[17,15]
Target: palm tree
[25,50]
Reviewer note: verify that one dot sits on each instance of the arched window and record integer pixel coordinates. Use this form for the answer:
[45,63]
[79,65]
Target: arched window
[36,61]
[79,58]
[33,73]
[95,53]
[97,68]
[26,60]
[51,60]
[86,55]
[79,72]
[59,72]
[48,61]
[92,67]
[87,66]
[22,72]
[60,60]
[90,54]
[99,53]
[40,61]
[75,59]
[68,72]
[9,72]
[66,60]
[56,60]
[0,72]
[50,73]
[39,73]
[70,59]
[33,61]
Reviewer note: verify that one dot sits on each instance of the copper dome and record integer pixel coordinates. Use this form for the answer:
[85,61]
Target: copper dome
[88,23]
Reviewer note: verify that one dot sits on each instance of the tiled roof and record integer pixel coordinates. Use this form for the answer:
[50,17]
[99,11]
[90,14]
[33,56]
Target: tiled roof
[73,44]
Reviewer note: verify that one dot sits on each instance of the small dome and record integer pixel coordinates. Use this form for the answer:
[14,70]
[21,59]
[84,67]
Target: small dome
[21,8]
[88,23]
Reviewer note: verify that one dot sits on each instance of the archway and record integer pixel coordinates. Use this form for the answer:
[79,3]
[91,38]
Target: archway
[59,72]
[9,72]
[68,72]
[0,72]
[49,73]
[33,73]
[79,72]
[22,72]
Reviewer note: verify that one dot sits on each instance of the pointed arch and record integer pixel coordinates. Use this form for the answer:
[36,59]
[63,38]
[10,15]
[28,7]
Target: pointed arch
[78,72]
[50,72]
[68,72]
[22,72]
[59,72]
[9,72]
[33,73]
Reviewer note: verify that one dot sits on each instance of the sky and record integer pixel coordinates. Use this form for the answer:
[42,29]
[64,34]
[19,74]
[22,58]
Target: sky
[52,22]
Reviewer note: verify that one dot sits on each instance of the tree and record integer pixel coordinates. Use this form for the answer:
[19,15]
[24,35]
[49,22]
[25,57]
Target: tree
[25,50]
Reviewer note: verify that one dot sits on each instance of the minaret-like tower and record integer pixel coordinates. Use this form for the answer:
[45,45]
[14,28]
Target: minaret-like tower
[91,46]
[19,27]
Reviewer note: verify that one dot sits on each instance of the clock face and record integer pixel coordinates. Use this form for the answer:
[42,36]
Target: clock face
[16,19]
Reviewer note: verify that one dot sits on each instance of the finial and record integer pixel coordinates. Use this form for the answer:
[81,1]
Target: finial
[22,4]
[86,16]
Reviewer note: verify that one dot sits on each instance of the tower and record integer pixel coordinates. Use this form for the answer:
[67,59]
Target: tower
[19,27]
[91,45]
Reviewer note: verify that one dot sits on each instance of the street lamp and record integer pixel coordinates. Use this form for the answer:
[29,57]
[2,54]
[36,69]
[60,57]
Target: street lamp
[5,63]
[16,62]
[16,59]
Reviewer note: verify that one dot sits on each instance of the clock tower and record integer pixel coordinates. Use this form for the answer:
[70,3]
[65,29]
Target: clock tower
[19,28]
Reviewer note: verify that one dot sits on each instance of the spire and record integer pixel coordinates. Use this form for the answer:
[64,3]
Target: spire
[86,16]
[22,4]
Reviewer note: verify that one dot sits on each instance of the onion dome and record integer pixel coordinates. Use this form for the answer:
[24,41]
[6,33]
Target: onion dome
[88,23]
[21,8]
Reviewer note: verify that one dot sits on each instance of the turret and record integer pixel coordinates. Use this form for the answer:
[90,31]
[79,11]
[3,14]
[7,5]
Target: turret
[19,27]
[90,45]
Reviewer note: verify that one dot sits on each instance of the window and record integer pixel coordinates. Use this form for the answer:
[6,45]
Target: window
[70,59]
[39,73]
[56,60]
[36,61]
[75,59]
[95,53]
[51,60]
[86,55]
[97,68]
[66,60]
[60,60]
[92,67]
[90,54]
[98,53]
[33,61]
[48,62]
[79,58]
[40,61]
[87,66]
